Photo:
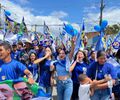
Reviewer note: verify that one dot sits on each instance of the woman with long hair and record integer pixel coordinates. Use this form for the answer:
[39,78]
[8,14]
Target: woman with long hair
[78,67]
[33,68]
[63,79]
[45,72]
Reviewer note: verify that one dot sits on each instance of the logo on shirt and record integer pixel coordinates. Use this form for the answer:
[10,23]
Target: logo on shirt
[3,77]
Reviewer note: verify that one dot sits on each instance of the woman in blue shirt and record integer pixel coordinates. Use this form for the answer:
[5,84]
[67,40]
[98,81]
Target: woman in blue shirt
[33,68]
[92,57]
[78,67]
[98,71]
[45,73]
[62,68]
[64,82]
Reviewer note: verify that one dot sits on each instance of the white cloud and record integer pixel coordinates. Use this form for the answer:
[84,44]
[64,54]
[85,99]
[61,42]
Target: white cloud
[111,14]
[17,13]
[59,14]
[92,18]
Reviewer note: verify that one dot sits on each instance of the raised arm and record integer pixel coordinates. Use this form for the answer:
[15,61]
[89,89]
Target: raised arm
[72,66]
[72,48]
[41,59]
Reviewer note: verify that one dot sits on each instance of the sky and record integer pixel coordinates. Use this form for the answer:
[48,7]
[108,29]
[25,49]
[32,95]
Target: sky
[61,11]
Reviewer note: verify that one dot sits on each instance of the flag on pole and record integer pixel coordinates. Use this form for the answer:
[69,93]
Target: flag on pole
[79,40]
[22,27]
[116,42]
[100,43]
[45,29]
[83,31]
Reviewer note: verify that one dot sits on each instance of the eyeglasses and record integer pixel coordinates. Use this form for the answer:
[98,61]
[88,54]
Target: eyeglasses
[21,89]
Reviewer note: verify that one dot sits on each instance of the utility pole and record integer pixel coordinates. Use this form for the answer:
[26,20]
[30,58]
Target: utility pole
[101,11]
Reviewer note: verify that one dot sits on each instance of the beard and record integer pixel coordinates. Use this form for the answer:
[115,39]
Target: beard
[26,95]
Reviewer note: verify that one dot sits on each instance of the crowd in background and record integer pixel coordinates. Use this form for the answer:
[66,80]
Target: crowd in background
[85,75]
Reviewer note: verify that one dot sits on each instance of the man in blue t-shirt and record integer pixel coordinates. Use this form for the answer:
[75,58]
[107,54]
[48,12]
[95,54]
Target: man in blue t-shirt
[14,53]
[11,69]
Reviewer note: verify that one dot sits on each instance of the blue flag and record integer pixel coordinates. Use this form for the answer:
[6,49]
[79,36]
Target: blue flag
[116,42]
[78,43]
[100,44]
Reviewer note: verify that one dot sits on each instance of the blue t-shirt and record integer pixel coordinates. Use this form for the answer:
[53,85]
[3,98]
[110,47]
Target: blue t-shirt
[14,55]
[102,70]
[45,73]
[11,70]
[1,62]
[41,54]
[33,68]
[91,60]
[79,69]
[60,66]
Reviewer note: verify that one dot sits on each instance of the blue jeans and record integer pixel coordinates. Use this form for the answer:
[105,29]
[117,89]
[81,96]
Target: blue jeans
[64,89]
[103,94]
[47,90]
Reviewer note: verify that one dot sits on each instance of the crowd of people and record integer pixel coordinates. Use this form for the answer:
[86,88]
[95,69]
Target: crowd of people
[86,75]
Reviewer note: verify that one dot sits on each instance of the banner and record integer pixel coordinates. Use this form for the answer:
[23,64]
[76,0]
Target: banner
[20,89]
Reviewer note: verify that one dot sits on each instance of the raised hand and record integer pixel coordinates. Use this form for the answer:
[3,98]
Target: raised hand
[47,55]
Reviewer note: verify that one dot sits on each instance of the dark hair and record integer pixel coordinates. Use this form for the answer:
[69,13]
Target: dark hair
[34,54]
[20,43]
[101,53]
[51,50]
[63,50]
[92,52]
[49,47]
[82,77]
[85,59]
[6,45]
[14,46]
[118,54]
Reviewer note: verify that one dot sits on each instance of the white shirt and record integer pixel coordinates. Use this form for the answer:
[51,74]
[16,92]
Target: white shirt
[84,92]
